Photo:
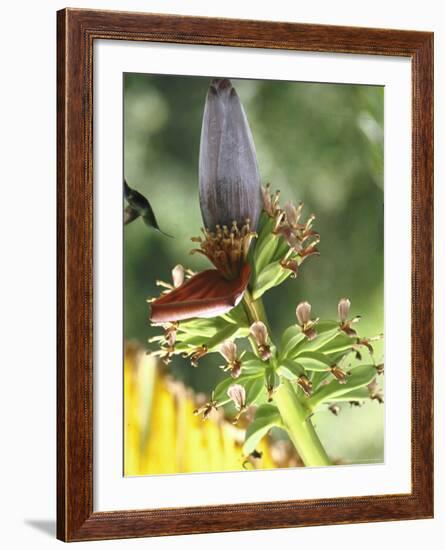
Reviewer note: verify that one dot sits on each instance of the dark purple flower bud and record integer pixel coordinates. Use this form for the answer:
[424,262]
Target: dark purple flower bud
[229,180]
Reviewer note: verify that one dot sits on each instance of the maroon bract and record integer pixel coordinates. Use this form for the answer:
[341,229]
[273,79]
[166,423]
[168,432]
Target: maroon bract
[206,294]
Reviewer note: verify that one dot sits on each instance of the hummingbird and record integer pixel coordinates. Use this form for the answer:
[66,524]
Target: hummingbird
[138,206]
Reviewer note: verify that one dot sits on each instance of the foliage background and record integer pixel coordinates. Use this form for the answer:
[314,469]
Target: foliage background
[318,143]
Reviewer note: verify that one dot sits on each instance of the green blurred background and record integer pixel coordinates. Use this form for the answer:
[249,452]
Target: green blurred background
[318,143]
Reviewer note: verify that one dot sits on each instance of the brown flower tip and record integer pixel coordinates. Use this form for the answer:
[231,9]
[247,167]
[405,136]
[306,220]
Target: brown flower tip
[206,409]
[252,460]
[197,354]
[259,332]
[380,368]
[305,384]
[166,342]
[170,331]
[303,313]
[228,350]
[375,391]
[335,409]
[226,247]
[293,214]
[272,384]
[271,202]
[344,306]
[300,237]
[292,265]
[339,374]
[366,342]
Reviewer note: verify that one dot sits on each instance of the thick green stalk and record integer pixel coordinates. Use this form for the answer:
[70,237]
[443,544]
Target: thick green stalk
[294,413]
[254,309]
[299,427]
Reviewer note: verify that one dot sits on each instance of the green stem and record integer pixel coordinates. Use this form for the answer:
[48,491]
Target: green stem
[296,419]
[255,309]
[293,411]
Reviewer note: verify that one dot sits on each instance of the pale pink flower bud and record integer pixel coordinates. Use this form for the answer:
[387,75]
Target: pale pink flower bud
[343,309]
[237,394]
[303,313]
[178,275]
[259,331]
[344,306]
[228,351]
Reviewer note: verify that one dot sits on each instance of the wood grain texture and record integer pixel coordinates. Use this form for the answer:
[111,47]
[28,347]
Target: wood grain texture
[76,31]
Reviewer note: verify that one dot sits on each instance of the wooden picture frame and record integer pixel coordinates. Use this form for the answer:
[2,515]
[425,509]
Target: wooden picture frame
[76,32]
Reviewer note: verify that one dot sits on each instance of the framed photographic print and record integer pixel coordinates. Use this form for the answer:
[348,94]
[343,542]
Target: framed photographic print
[245,228]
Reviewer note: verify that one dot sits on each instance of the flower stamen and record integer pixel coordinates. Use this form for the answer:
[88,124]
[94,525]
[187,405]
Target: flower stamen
[226,248]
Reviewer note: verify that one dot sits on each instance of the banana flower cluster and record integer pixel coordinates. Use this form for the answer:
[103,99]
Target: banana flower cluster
[254,244]
[230,200]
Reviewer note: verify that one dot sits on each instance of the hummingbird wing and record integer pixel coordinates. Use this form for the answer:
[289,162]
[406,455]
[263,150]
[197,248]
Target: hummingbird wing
[139,206]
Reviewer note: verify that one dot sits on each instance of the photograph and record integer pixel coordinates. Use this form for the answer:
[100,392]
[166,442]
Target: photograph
[253,220]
